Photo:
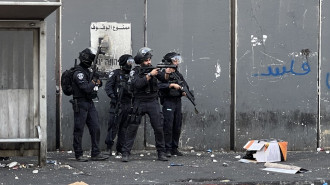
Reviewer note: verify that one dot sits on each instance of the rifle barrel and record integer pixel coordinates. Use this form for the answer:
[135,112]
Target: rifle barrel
[165,66]
[184,88]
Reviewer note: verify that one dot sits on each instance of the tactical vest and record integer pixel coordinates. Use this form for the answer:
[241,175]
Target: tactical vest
[122,82]
[152,85]
[78,93]
[173,92]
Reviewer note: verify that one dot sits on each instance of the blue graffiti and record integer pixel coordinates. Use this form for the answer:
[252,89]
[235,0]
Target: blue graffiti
[278,72]
[327,80]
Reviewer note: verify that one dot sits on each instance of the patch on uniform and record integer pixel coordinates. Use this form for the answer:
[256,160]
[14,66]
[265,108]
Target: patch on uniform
[132,73]
[111,73]
[80,76]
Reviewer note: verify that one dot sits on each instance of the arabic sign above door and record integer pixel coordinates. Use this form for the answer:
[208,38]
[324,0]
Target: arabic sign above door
[114,39]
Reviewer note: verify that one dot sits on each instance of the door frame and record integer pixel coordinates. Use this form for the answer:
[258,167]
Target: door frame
[39,77]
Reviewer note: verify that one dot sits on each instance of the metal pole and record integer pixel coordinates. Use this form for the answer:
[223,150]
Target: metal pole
[233,30]
[58,72]
[145,22]
[318,126]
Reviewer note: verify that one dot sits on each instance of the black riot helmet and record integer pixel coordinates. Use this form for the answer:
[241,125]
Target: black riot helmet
[169,58]
[126,61]
[87,57]
[142,55]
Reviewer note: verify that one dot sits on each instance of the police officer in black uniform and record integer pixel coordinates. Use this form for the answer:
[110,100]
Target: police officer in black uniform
[85,86]
[170,95]
[120,104]
[144,84]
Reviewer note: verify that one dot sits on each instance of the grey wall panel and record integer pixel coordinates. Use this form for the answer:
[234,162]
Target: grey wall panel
[325,77]
[200,31]
[270,35]
[276,83]
[77,17]
[51,82]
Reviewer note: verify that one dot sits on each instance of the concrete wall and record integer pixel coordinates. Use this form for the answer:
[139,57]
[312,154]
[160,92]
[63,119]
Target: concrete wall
[200,31]
[77,17]
[275,86]
[276,89]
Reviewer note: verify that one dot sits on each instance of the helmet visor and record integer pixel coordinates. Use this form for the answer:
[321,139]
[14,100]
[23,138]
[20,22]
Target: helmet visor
[130,61]
[177,59]
[145,50]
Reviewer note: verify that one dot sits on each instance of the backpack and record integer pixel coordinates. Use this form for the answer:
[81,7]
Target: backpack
[67,80]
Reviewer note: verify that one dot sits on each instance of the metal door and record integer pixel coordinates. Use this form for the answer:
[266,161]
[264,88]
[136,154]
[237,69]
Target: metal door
[18,72]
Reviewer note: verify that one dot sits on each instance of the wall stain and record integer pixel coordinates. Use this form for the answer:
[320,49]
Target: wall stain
[293,126]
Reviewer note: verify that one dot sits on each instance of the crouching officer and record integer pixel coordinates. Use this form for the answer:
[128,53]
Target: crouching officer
[120,104]
[85,87]
[170,95]
[144,84]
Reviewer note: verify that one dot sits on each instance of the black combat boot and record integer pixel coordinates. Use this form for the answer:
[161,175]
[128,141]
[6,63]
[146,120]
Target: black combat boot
[125,157]
[81,159]
[162,156]
[168,153]
[99,157]
[108,152]
[176,152]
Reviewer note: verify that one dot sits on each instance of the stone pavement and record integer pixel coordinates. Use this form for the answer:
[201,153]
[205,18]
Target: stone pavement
[195,167]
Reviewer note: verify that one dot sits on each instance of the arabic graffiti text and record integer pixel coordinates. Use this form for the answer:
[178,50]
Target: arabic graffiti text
[280,71]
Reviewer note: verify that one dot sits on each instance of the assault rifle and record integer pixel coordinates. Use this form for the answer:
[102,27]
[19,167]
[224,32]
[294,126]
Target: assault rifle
[146,70]
[94,67]
[95,75]
[118,103]
[164,65]
[184,88]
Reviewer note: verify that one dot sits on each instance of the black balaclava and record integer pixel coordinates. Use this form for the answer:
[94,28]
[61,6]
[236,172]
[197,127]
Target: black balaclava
[86,57]
[123,62]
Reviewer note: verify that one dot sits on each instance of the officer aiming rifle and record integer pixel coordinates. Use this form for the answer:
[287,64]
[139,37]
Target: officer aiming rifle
[170,97]
[183,84]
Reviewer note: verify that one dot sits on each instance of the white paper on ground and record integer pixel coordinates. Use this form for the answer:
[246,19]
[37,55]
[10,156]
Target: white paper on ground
[280,170]
[247,161]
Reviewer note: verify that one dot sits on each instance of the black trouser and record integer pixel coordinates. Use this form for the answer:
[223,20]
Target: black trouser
[112,127]
[117,125]
[172,122]
[86,114]
[151,108]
